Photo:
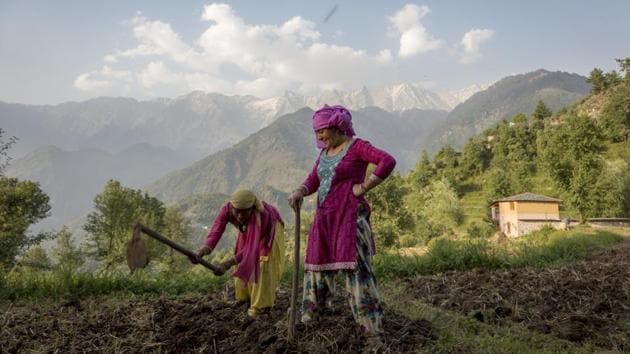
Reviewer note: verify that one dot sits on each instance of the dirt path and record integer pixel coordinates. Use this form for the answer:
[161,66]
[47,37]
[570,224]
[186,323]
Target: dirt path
[206,324]
[588,301]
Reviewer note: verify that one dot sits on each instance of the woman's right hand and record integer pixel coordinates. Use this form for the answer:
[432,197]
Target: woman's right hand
[295,199]
[199,255]
[219,270]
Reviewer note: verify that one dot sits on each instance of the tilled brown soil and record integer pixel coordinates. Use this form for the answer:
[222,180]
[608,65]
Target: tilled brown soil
[588,301]
[194,324]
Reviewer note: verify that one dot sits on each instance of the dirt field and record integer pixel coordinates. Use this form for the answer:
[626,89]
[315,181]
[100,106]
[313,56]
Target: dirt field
[206,324]
[588,301]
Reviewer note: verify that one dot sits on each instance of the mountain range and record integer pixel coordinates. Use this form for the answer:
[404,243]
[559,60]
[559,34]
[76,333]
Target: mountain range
[239,140]
[196,124]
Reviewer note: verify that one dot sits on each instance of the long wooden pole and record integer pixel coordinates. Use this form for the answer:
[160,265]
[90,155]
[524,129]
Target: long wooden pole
[296,272]
[174,245]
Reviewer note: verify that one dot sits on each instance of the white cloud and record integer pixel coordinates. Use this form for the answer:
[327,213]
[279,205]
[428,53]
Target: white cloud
[86,82]
[157,73]
[471,42]
[414,38]
[385,56]
[234,57]
[270,58]
[102,79]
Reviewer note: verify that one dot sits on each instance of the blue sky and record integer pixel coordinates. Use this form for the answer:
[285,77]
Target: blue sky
[56,51]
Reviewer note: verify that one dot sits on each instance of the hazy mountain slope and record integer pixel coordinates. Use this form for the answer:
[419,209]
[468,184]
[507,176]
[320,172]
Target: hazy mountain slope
[73,178]
[195,124]
[455,97]
[401,134]
[504,99]
[277,156]
[280,156]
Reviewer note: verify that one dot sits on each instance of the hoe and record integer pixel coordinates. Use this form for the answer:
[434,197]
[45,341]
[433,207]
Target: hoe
[137,252]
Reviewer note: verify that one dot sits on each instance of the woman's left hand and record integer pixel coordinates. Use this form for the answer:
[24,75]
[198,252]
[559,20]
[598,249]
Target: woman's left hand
[358,190]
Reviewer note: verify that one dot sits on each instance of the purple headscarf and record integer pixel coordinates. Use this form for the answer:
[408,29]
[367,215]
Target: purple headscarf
[333,116]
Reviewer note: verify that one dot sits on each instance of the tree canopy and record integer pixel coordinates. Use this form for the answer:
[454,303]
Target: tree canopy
[22,203]
[116,209]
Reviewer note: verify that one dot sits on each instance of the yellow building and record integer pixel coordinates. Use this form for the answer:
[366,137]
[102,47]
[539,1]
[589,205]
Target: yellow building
[523,213]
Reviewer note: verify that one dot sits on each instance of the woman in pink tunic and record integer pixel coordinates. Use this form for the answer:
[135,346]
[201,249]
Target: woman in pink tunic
[340,238]
[259,251]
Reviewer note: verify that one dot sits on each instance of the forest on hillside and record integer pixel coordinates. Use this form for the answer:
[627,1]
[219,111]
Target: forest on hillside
[579,154]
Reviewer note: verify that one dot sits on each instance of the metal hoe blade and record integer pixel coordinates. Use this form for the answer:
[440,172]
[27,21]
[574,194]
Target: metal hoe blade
[136,251]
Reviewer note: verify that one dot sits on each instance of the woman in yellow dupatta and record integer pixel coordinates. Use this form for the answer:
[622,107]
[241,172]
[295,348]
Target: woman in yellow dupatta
[259,251]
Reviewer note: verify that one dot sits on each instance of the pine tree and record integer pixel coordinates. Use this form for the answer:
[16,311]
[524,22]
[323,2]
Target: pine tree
[540,114]
[624,65]
[422,173]
[66,255]
[597,80]
[475,156]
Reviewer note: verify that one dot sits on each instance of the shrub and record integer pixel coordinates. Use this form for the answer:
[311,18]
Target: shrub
[480,230]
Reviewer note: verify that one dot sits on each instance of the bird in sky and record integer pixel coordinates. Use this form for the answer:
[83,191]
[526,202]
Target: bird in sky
[330,13]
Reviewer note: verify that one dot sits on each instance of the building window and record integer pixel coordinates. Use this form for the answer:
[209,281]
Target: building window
[511,205]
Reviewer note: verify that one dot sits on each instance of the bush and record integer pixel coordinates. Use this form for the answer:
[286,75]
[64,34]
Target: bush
[444,255]
[408,241]
[480,230]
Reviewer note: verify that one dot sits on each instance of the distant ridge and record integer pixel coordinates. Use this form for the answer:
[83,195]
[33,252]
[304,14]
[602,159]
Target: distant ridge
[507,97]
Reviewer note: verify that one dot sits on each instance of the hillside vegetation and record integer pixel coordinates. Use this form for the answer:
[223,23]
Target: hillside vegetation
[509,96]
[579,154]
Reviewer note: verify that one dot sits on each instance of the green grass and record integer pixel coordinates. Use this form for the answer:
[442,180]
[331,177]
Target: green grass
[555,247]
[539,249]
[59,285]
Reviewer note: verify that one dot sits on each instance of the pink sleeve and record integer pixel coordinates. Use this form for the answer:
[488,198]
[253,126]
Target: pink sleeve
[218,227]
[384,162]
[312,181]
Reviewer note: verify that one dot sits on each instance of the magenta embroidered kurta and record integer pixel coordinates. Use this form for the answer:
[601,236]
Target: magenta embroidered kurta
[332,237]
[253,242]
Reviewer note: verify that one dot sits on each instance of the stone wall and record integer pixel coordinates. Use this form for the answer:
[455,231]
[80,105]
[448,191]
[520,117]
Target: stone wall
[526,227]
